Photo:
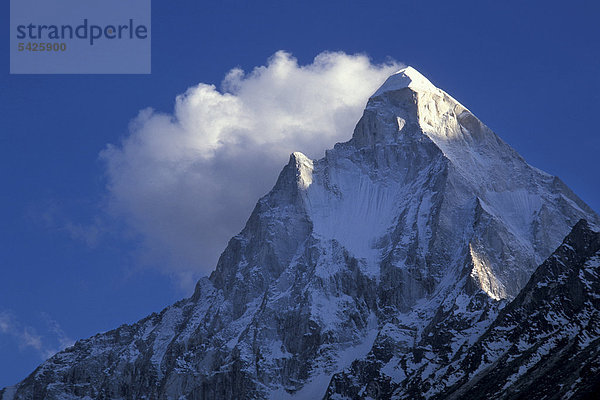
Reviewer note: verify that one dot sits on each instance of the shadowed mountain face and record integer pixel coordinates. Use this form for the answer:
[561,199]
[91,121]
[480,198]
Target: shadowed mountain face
[546,342]
[382,270]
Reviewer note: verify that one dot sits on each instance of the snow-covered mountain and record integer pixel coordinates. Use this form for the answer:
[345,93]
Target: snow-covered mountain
[382,270]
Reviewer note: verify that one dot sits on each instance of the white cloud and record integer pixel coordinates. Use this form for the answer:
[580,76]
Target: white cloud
[6,324]
[26,336]
[61,337]
[53,214]
[187,181]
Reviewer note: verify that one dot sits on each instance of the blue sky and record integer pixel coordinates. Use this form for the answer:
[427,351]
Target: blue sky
[69,268]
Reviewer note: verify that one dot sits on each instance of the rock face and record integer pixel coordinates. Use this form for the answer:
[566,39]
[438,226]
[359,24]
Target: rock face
[394,267]
[546,342]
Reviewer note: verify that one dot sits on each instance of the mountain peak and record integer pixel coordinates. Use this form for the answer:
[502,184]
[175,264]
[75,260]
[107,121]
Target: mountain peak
[373,271]
[303,167]
[407,77]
